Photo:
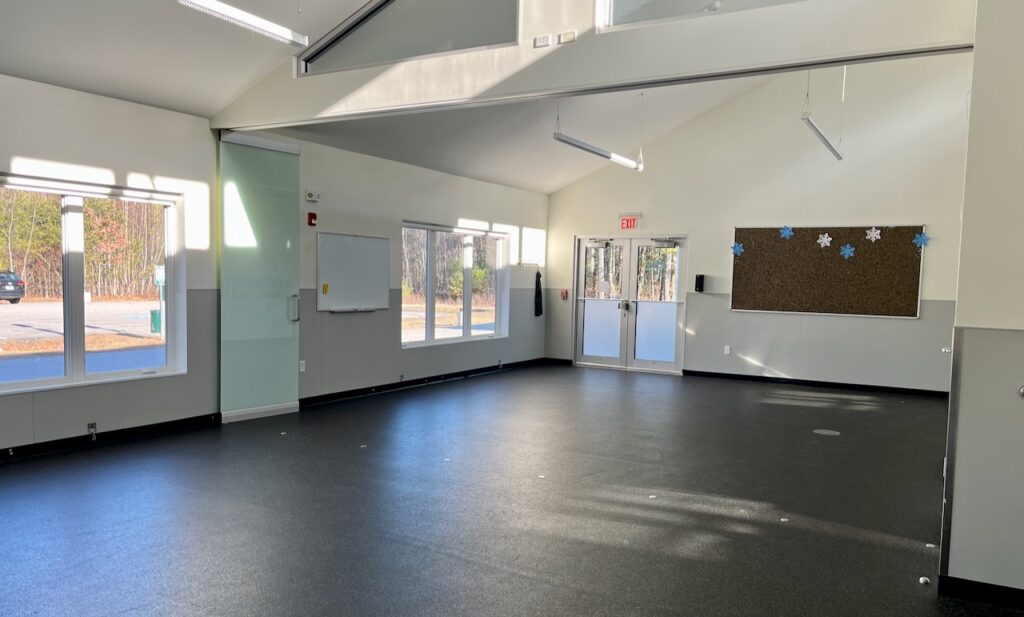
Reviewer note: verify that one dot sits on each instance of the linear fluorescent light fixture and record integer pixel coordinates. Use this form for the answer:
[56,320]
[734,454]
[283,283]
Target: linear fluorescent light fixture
[247,20]
[811,124]
[638,164]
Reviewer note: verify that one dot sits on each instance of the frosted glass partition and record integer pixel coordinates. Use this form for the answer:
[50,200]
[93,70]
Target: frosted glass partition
[259,277]
[634,11]
[602,328]
[409,28]
[655,331]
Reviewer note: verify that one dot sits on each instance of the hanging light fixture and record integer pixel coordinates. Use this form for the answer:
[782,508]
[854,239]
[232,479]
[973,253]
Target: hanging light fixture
[637,164]
[579,144]
[805,116]
[244,19]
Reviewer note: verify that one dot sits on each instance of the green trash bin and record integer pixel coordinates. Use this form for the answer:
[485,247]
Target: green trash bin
[154,321]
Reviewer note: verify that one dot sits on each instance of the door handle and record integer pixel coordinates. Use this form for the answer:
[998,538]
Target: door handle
[625,304]
[293,308]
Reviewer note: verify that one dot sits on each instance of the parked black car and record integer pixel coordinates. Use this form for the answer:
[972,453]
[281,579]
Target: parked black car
[12,288]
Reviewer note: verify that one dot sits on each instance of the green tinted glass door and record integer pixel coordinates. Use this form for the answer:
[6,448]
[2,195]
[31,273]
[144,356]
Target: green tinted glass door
[259,277]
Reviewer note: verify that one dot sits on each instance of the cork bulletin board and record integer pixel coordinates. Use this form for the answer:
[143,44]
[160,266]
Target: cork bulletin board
[830,270]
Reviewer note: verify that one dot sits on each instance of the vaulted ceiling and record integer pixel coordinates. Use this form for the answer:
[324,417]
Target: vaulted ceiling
[154,52]
[512,143]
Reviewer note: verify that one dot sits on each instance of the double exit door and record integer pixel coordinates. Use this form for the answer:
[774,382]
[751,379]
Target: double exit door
[629,307]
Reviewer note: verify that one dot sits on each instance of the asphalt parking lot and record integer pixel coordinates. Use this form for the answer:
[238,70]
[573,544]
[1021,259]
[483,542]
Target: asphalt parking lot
[40,320]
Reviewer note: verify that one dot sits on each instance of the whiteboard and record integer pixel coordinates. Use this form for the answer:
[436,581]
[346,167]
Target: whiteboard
[353,273]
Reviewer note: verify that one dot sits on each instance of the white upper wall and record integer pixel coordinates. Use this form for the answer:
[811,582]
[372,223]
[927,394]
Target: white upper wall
[801,32]
[65,134]
[371,196]
[752,163]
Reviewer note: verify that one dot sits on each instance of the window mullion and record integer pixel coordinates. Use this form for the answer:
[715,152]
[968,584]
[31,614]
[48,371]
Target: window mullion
[73,230]
[467,286]
[430,287]
[500,273]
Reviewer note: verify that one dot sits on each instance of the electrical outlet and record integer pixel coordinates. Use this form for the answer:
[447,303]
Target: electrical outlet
[569,36]
[727,350]
[302,366]
[543,40]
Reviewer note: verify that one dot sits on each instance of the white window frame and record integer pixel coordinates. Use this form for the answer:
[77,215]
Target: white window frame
[604,17]
[73,195]
[501,287]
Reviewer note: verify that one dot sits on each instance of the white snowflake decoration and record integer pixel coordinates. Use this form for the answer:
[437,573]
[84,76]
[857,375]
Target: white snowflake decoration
[825,240]
[874,234]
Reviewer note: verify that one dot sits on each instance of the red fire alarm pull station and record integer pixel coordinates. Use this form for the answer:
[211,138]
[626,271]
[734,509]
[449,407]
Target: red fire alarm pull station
[311,219]
[565,294]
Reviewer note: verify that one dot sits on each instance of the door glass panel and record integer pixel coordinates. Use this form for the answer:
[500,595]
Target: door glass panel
[656,331]
[603,272]
[259,274]
[602,328]
[31,286]
[125,305]
[657,273]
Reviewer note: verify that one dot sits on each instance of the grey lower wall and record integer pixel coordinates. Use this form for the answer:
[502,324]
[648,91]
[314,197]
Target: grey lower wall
[59,413]
[350,351]
[985,513]
[558,339]
[876,351]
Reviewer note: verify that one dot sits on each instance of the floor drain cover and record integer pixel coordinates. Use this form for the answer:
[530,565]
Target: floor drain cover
[826,432]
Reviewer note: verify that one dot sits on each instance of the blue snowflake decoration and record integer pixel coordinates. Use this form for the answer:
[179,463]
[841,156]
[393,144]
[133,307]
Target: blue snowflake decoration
[921,240]
[786,232]
[847,251]
[737,249]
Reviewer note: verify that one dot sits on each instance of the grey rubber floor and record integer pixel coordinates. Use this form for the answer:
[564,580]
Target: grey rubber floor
[542,491]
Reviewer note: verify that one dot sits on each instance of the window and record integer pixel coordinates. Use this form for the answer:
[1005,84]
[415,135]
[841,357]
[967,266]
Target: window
[624,12]
[386,31]
[125,272]
[453,284]
[31,287]
[414,285]
[83,284]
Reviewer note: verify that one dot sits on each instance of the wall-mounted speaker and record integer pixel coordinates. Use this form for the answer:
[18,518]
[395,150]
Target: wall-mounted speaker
[698,285]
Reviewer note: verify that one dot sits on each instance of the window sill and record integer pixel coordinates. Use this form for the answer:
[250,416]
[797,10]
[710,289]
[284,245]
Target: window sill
[109,378]
[453,341]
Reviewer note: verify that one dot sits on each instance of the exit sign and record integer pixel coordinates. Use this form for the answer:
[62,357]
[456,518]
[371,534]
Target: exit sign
[628,221]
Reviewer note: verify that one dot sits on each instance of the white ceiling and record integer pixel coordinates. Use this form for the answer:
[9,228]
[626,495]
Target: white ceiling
[153,51]
[512,144]
[159,53]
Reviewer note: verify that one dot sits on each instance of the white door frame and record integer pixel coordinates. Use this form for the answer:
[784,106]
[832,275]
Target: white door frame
[646,367]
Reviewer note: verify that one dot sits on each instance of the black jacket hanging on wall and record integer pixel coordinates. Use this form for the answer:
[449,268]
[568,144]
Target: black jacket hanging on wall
[538,299]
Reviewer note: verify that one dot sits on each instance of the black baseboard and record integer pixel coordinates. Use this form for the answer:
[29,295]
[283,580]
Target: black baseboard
[106,438]
[953,587]
[334,397]
[816,384]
